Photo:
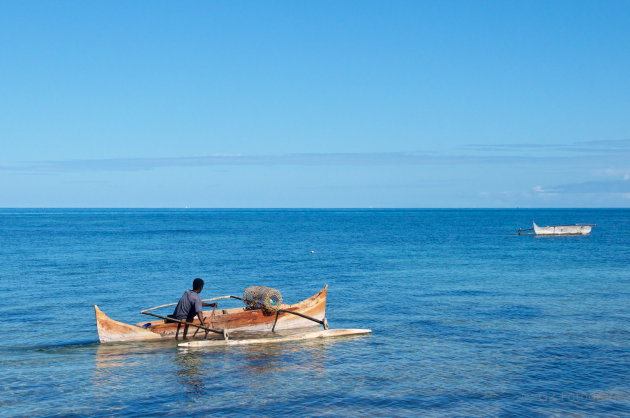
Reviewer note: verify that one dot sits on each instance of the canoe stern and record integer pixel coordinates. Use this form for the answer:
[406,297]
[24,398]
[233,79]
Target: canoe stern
[110,330]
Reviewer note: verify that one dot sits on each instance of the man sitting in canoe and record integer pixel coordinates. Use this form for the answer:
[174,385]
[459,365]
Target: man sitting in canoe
[190,304]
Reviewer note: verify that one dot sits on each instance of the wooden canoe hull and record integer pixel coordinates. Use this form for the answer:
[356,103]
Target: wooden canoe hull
[235,319]
[562,229]
[115,331]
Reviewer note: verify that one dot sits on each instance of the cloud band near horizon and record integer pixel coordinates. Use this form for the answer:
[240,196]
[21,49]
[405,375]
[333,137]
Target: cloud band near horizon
[305,159]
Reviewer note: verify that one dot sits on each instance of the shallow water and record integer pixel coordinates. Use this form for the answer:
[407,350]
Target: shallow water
[467,319]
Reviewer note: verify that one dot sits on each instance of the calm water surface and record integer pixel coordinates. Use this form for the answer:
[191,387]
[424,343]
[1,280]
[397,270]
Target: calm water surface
[467,319]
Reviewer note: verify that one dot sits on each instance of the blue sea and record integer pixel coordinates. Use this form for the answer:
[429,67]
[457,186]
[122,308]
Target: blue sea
[467,320]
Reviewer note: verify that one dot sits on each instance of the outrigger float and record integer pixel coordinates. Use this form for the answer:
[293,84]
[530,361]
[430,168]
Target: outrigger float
[263,315]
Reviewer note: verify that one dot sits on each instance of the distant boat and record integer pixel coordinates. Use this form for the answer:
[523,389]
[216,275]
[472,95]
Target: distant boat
[575,229]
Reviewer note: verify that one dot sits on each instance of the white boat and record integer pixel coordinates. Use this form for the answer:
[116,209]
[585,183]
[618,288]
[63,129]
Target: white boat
[575,229]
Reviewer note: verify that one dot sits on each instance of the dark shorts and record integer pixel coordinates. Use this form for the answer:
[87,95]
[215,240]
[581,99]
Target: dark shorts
[189,319]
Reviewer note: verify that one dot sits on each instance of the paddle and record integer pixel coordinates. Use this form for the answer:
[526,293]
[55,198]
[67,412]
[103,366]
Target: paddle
[222,332]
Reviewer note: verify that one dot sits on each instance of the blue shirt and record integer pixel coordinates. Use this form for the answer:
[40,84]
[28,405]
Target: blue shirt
[188,305]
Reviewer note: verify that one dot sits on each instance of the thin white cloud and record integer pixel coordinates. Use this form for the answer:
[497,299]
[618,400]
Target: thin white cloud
[590,187]
[582,147]
[312,159]
[473,155]
[623,173]
[544,190]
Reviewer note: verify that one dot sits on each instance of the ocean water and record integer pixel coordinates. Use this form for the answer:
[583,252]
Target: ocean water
[467,320]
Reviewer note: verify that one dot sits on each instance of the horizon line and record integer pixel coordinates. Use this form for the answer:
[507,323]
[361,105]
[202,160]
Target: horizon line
[304,208]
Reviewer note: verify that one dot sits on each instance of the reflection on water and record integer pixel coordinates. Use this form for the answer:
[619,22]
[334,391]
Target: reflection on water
[190,371]
[306,356]
[116,363]
[200,372]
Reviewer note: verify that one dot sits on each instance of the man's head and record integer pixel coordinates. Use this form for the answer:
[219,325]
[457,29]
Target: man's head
[197,285]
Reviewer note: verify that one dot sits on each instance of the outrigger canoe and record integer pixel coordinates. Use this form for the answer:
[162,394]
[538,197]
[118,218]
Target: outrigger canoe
[234,320]
[575,229]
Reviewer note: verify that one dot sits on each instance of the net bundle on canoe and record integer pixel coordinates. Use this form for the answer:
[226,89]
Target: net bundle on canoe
[261,297]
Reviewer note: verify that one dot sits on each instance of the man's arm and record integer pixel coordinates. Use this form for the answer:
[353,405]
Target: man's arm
[200,316]
[200,313]
[198,304]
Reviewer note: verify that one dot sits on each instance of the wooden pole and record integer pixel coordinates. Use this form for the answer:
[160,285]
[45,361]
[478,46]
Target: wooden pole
[323,322]
[183,322]
[203,300]
[273,329]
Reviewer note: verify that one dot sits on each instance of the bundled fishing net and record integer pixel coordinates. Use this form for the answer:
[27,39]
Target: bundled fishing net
[260,297]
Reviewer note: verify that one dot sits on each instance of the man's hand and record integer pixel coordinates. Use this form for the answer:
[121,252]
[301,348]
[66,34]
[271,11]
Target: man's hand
[201,321]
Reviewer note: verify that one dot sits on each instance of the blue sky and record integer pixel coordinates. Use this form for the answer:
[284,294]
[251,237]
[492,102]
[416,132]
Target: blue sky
[315,104]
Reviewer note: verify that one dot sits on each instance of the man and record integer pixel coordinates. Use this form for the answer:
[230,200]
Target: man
[190,304]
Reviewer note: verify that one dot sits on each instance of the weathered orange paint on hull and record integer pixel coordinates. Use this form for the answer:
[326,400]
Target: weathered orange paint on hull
[114,331]
[235,319]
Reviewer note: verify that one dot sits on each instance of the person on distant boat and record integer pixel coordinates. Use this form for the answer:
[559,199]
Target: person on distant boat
[190,304]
